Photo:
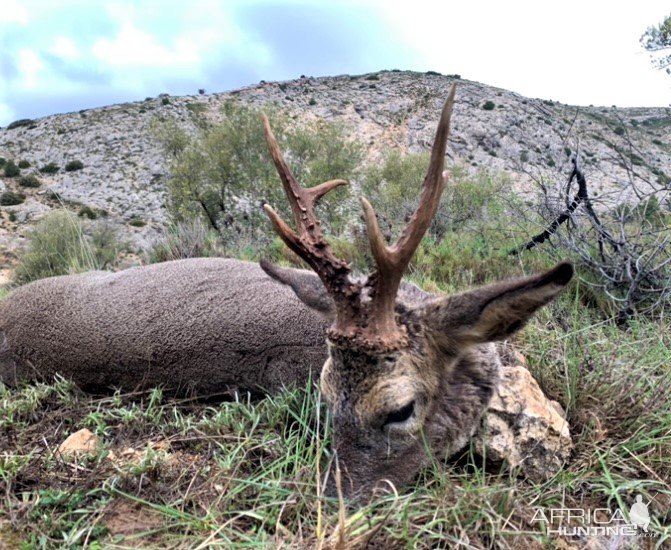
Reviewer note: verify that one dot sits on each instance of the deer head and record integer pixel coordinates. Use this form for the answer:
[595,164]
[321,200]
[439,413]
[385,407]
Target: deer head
[406,372]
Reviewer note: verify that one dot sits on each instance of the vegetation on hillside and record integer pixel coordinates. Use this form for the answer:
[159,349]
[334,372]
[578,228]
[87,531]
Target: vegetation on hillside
[224,174]
[657,40]
[62,243]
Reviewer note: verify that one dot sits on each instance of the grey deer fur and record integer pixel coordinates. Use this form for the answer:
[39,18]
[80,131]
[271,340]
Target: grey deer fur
[208,326]
[204,326]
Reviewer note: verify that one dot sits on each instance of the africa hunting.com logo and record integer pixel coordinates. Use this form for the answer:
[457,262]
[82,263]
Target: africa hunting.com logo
[576,522]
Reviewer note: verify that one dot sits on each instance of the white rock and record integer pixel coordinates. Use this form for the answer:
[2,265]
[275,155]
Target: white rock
[524,428]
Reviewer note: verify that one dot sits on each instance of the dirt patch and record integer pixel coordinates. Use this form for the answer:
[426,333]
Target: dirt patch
[128,518]
[6,276]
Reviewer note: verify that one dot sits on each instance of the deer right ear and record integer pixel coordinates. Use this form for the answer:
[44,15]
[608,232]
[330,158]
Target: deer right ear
[493,312]
[307,286]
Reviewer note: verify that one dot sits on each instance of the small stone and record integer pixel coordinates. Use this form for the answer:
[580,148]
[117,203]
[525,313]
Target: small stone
[81,442]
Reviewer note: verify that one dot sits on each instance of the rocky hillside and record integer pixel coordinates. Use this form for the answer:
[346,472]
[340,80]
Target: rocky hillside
[123,169]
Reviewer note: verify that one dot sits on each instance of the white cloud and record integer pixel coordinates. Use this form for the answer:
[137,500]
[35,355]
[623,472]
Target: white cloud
[13,12]
[30,66]
[6,113]
[65,48]
[576,53]
[133,47]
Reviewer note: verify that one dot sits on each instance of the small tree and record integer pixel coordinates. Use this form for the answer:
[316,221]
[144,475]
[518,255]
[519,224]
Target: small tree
[224,174]
[657,40]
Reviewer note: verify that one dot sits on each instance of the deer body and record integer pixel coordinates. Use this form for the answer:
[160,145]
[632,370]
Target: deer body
[206,326]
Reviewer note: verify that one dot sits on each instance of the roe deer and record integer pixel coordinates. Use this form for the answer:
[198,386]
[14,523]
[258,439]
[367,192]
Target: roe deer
[404,371]
[407,372]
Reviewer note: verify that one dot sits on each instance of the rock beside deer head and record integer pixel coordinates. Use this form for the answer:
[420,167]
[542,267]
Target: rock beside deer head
[408,375]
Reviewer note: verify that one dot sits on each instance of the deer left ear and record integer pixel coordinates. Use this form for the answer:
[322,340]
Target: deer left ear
[493,312]
[306,285]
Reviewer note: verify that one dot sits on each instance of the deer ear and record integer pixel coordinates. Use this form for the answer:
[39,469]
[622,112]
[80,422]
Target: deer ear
[307,286]
[493,312]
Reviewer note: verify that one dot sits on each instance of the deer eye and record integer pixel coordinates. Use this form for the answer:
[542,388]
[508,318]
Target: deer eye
[400,415]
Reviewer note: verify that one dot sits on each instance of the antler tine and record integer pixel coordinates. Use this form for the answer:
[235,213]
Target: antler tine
[432,189]
[307,241]
[392,261]
[301,200]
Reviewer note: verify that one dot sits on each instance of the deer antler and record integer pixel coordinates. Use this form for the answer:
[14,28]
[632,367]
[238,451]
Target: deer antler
[372,323]
[392,261]
[310,243]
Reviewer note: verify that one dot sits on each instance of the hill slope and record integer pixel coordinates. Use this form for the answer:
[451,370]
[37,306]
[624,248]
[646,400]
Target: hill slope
[124,169]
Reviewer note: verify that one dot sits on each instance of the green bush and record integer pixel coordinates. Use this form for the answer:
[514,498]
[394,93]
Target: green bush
[20,123]
[488,105]
[74,165]
[29,181]
[87,212]
[10,198]
[165,101]
[394,189]
[224,174]
[185,239]
[50,168]
[58,245]
[3,160]
[137,222]
[24,164]
[619,130]
[11,169]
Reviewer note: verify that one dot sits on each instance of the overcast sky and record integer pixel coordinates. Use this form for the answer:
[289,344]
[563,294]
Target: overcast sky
[58,56]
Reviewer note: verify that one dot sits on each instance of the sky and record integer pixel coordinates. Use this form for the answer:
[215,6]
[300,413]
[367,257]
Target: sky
[60,56]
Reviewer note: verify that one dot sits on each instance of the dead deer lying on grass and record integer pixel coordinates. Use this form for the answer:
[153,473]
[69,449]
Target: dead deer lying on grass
[405,371]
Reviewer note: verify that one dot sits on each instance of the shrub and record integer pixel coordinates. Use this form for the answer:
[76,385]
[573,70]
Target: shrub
[24,164]
[185,239]
[58,245]
[312,101]
[29,181]
[488,105]
[50,168]
[172,137]
[3,160]
[11,169]
[10,198]
[20,123]
[87,212]
[225,173]
[137,222]
[74,165]
[619,130]
[165,101]
[372,77]
[394,189]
